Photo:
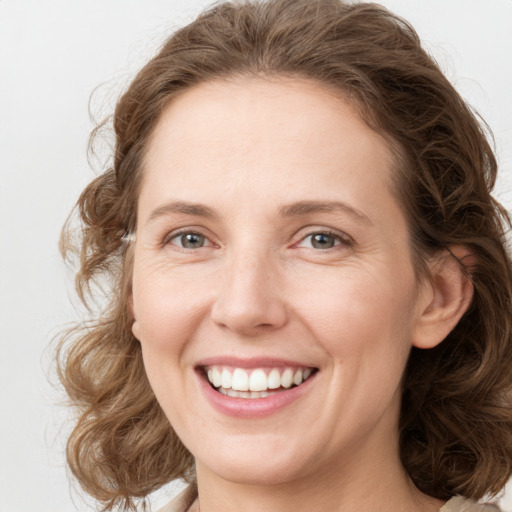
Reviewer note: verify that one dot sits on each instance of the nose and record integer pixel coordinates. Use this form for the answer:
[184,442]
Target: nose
[250,301]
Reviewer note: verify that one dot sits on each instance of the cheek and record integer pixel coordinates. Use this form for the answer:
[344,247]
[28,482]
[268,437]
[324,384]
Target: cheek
[165,319]
[359,314]
[165,307]
[163,326]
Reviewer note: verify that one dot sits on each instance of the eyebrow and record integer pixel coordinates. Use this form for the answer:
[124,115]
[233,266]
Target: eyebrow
[195,209]
[292,210]
[308,207]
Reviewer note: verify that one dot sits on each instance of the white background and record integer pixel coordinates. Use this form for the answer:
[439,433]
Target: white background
[53,54]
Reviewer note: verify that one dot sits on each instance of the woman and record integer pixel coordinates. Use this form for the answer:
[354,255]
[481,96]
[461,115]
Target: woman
[310,304]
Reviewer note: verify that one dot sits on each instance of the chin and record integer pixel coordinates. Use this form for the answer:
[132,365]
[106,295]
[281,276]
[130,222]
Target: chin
[258,468]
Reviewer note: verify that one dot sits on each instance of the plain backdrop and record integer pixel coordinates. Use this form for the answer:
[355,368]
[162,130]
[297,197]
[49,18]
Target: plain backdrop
[53,54]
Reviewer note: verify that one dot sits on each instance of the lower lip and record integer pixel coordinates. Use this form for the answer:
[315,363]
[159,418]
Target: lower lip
[253,407]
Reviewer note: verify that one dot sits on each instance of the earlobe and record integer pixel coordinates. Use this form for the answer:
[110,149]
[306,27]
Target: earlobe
[135,325]
[135,329]
[445,298]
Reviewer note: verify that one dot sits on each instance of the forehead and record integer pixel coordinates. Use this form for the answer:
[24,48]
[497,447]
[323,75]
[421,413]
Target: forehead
[223,110]
[272,137]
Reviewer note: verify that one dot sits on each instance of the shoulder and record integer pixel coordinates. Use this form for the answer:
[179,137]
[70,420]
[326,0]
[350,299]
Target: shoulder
[459,504]
[182,502]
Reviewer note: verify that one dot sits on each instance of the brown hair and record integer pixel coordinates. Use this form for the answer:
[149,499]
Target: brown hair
[456,417]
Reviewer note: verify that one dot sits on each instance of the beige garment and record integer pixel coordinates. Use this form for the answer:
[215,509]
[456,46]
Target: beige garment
[181,503]
[456,504]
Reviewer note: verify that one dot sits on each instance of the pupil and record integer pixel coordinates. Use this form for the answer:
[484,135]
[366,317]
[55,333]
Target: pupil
[192,241]
[322,241]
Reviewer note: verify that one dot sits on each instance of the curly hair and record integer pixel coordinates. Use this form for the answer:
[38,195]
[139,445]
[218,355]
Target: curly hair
[456,413]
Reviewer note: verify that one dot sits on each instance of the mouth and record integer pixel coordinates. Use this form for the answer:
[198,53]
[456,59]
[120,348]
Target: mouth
[255,383]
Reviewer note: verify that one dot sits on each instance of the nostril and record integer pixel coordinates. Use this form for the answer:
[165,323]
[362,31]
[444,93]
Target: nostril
[247,306]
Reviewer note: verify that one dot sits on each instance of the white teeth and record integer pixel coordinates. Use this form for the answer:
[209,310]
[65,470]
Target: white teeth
[245,394]
[216,378]
[287,378]
[229,392]
[240,380]
[258,381]
[255,383]
[226,377]
[274,379]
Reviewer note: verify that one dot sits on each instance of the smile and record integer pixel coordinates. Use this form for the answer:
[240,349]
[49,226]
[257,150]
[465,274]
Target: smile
[255,383]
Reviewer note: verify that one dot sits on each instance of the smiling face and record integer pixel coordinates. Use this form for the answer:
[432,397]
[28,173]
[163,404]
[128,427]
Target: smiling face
[272,255]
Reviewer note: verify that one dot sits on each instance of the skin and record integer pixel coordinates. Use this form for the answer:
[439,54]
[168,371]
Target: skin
[257,287]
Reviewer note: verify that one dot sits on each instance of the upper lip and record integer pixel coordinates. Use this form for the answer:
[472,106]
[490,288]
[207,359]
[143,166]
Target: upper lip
[253,362]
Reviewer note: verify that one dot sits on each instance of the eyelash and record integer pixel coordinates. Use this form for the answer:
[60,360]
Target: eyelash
[171,236]
[340,239]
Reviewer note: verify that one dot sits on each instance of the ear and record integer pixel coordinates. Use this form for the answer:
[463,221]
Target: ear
[445,297]
[135,330]
[128,283]
[135,325]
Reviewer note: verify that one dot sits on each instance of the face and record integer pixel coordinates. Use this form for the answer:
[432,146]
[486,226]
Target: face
[274,295]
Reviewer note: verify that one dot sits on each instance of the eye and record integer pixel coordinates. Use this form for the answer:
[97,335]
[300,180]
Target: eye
[189,240]
[323,240]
